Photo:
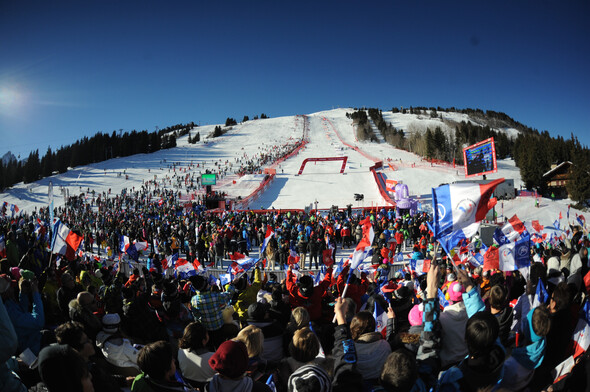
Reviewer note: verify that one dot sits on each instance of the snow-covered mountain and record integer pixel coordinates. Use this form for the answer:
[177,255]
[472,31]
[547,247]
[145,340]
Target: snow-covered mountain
[326,134]
[7,158]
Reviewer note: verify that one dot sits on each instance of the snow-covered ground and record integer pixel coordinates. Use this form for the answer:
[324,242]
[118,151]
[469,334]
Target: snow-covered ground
[330,135]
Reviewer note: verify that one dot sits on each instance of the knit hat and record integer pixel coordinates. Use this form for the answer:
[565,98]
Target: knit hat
[415,315]
[310,378]
[15,271]
[451,277]
[455,292]
[110,322]
[230,359]
[59,366]
[257,311]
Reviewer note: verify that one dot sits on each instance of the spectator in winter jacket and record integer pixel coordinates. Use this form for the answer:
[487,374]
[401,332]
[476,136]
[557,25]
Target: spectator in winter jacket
[503,313]
[484,367]
[117,350]
[82,309]
[27,324]
[356,288]
[193,355]
[303,293]
[246,293]
[453,320]
[371,348]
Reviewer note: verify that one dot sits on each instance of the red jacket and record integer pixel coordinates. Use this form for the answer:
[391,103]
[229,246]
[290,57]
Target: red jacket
[313,304]
[354,291]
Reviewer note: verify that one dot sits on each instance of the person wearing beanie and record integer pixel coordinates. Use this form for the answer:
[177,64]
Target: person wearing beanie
[453,320]
[303,293]
[230,361]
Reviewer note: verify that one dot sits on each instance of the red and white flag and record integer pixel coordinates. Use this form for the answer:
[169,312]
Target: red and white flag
[364,246]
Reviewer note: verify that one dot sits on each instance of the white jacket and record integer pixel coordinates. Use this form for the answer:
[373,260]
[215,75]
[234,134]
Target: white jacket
[116,350]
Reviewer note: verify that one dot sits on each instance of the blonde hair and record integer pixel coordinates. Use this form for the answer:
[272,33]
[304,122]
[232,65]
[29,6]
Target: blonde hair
[305,345]
[252,337]
[299,318]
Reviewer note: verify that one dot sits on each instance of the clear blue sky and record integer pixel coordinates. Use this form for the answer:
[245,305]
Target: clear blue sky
[73,68]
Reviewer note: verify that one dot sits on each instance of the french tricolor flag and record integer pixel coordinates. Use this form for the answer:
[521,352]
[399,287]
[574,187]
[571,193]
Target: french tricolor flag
[169,261]
[461,207]
[184,269]
[581,336]
[65,242]
[2,246]
[420,267]
[380,316]
[267,237]
[364,246]
[513,229]
[293,257]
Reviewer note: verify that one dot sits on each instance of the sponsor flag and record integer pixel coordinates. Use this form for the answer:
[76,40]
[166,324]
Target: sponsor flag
[491,259]
[515,255]
[452,239]
[390,185]
[223,280]
[461,207]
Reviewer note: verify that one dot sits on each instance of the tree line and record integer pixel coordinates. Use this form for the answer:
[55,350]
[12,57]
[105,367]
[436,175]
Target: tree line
[533,152]
[98,148]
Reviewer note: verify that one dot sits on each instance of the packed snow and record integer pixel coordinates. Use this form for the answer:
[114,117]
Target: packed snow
[327,133]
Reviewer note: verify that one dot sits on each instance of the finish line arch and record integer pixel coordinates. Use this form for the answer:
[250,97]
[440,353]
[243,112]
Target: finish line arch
[343,159]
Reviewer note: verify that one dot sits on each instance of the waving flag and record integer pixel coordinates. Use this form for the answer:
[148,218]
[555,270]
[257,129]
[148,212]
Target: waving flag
[364,246]
[65,242]
[271,383]
[581,220]
[419,266]
[541,295]
[513,229]
[223,280]
[380,316]
[140,246]
[491,259]
[183,269]
[169,261]
[581,336]
[452,239]
[293,256]
[441,299]
[327,257]
[515,255]
[461,207]
[2,246]
[269,234]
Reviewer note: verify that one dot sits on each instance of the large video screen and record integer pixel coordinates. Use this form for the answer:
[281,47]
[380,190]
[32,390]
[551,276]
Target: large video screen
[480,158]
[208,179]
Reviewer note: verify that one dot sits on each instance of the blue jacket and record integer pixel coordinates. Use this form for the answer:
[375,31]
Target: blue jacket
[9,381]
[27,325]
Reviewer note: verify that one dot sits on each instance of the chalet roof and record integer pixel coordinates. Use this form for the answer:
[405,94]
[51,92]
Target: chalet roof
[556,168]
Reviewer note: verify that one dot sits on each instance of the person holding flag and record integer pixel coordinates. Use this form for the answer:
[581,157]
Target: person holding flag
[303,293]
